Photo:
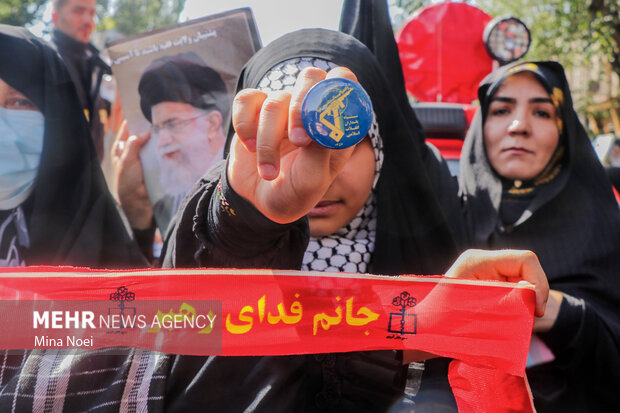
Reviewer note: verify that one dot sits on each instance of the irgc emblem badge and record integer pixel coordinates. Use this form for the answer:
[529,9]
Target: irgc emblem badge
[337,113]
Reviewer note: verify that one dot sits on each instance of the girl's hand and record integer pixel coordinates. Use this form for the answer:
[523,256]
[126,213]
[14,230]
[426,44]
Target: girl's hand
[273,163]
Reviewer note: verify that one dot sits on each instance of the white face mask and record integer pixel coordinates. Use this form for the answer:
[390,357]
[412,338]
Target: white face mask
[21,143]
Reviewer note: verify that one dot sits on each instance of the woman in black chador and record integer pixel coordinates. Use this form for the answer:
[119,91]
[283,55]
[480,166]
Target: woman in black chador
[531,180]
[55,208]
[391,210]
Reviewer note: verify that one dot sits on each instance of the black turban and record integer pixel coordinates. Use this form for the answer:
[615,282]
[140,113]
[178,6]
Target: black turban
[182,78]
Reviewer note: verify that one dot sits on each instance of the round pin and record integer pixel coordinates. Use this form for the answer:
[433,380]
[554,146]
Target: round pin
[337,113]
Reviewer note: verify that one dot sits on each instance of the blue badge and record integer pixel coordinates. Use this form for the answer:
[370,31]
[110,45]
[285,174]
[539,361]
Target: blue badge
[337,113]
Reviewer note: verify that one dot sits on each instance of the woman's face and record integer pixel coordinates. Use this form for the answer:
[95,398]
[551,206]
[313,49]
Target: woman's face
[13,99]
[347,194]
[520,132]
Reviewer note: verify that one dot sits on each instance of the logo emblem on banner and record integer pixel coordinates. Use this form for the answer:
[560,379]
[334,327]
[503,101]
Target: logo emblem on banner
[403,323]
[122,296]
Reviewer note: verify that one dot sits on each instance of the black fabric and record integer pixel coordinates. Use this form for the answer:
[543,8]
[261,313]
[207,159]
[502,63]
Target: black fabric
[145,239]
[184,78]
[201,236]
[573,225]
[13,237]
[86,69]
[614,176]
[106,381]
[369,22]
[71,217]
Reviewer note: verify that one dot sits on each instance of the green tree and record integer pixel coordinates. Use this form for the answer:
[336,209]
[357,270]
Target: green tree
[400,10]
[409,6]
[580,34]
[137,16]
[20,12]
[569,30]
[577,33]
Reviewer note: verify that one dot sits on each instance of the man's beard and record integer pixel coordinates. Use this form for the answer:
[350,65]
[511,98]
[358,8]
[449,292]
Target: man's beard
[177,176]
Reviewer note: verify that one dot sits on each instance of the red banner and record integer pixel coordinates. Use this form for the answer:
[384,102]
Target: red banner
[484,326]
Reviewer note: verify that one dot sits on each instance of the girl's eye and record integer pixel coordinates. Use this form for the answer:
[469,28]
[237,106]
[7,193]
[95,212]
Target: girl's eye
[543,114]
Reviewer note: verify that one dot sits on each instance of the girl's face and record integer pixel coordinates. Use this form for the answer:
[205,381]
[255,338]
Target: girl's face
[520,132]
[347,194]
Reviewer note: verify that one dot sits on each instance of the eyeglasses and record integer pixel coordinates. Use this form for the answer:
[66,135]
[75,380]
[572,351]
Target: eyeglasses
[173,127]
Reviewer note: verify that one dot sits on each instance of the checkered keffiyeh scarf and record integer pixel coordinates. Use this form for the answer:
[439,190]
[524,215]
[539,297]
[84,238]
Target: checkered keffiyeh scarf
[350,248]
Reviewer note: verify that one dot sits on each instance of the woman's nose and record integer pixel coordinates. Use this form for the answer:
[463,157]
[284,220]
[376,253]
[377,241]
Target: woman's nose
[519,124]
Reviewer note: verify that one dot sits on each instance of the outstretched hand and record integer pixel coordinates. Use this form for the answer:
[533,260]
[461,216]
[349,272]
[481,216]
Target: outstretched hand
[273,163]
[504,265]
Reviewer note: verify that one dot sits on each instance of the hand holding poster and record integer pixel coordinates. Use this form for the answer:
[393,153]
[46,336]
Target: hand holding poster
[176,85]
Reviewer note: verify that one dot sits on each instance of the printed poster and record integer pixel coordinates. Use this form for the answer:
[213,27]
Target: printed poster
[176,85]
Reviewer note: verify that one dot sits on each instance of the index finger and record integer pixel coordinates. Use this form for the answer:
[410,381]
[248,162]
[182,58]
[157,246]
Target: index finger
[306,79]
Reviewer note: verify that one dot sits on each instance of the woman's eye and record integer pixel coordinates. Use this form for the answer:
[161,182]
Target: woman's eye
[499,111]
[543,114]
[20,104]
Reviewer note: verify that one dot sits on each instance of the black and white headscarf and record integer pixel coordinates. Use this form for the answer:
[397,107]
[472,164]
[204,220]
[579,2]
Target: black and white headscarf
[350,248]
